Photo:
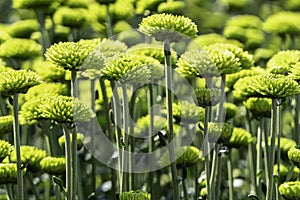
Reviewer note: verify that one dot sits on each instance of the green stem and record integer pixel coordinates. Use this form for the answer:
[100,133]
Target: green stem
[151,131]
[45,41]
[259,157]
[93,135]
[230,176]
[185,193]
[212,180]
[221,117]
[68,155]
[17,144]
[206,153]
[296,119]
[274,129]
[169,101]
[108,23]
[9,190]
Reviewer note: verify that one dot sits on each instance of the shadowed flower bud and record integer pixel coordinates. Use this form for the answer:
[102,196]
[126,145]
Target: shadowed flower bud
[80,137]
[23,28]
[53,165]
[20,48]
[197,63]
[207,96]
[172,7]
[135,195]
[284,170]
[8,173]
[46,89]
[32,3]
[259,107]
[282,62]
[295,72]
[294,155]
[30,155]
[147,5]
[285,145]
[30,112]
[4,36]
[187,112]
[5,149]
[17,81]
[143,123]
[168,27]
[219,132]
[6,125]
[64,109]
[70,17]
[240,138]
[290,190]
[121,10]
[77,3]
[230,110]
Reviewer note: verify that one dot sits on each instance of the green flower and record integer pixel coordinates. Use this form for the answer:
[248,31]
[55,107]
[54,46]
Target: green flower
[106,2]
[203,192]
[237,4]
[143,123]
[70,17]
[219,132]
[20,48]
[150,5]
[292,5]
[32,3]
[284,170]
[70,55]
[240,138]
[121,10]
[53,165]
[209,39]
[294,155]
[290,190]
[30,112]
[295,72]
[8,173]
[4,35]
[6,125]
[282,62]
[46,89]
[245,21]
[197,63]
[282,23]
[185,111]
[285,145]
[135,195]
[131,37]
[259,107]
[121,26]
[30,155]
[63,109]
[168,27]
[5,149]
[17,81]
[172,7]
[77,3]
[153,50]
[207,96]
[5,69]
[263,54]
[80,137]
[230,110]
[23,28]
[130,69]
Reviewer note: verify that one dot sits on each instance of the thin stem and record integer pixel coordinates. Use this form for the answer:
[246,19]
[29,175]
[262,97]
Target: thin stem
[214,167]
[151,131]
[259,157]
[206,153]
[230,176]
[221,117]
[296,119]
[45,41]
[17,144]
[169,101]
[274,129]
[185,193]
[68,162]
[108,22]
[9,190]
[93,134]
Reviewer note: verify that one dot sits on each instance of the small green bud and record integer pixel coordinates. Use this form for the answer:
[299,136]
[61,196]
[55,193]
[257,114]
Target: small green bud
[80,137]
[290,190]
[219,132]
[53,165]
[207,96]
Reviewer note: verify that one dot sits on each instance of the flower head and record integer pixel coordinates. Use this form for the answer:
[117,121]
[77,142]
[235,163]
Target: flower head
[147,5]
[32,3]
[219,132]
[143,123]
[53,165]
[70,17]
[207,96]
[23,28]
[79,136]
[20,48]
[121,10]
[5,149]
[185,111]
[6,124]
[8,173]
[259,107]
[282,62]
[64,109]
[197,63]
[30,112]
[168,27]
[137,195]
[285,145]
[240,138]
[290,190]
[294,155]
[230,110]
[17,81]
[284,171]
[295,72]
[172,7]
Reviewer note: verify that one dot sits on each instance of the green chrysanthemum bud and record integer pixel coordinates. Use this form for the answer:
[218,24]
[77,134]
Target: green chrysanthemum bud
[219,132]
[17,81]
[290,190]
[53,165]
[121,10]
[230,110]
[284,170]
[207,96]
[5,69]
[30,112]
[245,21]
[285,145]
[6,125]
[80,137]
[240,138]
[130,69]
[203,192]
[282,23]
[237,4]
[4,36]
[168,27]
[143,5]
[197,63]
[63,109]
[292,5]
[209,39]
[187,112]
[46,89]
[143,123]
[153,50]
[172,7]
[259,107]
[8,173]
[135,195]
[281,62]
[5,149]
[121,26]
[131,37]
[241,89]
[295,72]
[32,3]
[20,48]
[263,54]
[70,55]
[231,79]
[294,155]
[77,3]
[29,155]
[70,17]
[23,28]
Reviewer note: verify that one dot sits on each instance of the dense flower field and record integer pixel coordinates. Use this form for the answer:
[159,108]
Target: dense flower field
[149,99]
